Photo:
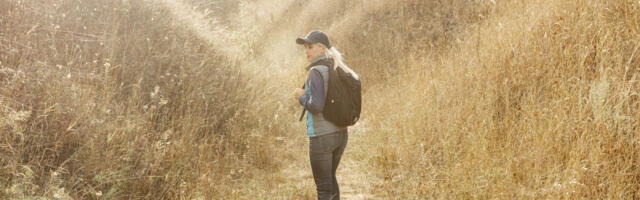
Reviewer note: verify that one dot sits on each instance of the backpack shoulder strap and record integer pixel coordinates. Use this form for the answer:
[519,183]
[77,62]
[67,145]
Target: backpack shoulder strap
[325,62]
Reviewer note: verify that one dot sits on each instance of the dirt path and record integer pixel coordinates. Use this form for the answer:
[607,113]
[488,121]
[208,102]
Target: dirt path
[354,174]
[356,182]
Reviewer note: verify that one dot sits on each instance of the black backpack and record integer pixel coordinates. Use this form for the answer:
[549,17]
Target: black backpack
[343,101]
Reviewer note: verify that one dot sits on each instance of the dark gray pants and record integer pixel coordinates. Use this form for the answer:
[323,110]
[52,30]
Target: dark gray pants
[325,152]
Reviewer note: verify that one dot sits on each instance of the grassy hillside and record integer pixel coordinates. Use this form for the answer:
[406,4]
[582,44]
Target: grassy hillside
[184,99]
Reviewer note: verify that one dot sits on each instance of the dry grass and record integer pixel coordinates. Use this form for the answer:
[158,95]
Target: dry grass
[536,101]
[191,99]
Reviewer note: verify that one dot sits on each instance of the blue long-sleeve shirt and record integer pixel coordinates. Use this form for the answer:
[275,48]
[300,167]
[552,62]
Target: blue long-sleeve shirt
[314,102]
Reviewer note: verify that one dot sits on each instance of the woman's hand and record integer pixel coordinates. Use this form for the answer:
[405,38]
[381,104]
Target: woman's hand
[297,93]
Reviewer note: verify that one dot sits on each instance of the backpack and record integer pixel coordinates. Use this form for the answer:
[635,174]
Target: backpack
[343,100]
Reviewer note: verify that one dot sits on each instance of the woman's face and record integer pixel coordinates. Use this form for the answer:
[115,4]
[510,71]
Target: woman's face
[313,50]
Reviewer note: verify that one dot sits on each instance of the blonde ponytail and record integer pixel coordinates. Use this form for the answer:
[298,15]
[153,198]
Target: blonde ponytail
[338,62]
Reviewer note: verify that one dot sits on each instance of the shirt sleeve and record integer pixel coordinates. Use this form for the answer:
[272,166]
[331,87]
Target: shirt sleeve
[314,101]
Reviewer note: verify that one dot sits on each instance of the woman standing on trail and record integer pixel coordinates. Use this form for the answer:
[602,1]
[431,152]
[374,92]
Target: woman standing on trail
[327,141]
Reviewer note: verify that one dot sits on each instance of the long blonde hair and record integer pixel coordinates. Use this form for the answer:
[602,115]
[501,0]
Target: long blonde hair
[338,62]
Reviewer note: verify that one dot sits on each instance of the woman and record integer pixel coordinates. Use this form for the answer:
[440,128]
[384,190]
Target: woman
[326,140]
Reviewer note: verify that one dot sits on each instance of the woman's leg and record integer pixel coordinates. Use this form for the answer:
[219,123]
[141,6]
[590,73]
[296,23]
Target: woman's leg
[320,155]
[337,155]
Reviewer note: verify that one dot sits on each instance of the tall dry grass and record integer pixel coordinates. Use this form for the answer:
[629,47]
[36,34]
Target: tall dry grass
[116,100]
[191,99]
[537,100]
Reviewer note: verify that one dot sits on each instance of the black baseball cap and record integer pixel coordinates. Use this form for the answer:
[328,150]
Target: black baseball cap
[315,37]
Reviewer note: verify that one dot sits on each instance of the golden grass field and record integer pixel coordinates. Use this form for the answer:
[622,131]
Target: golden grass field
[192,99]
